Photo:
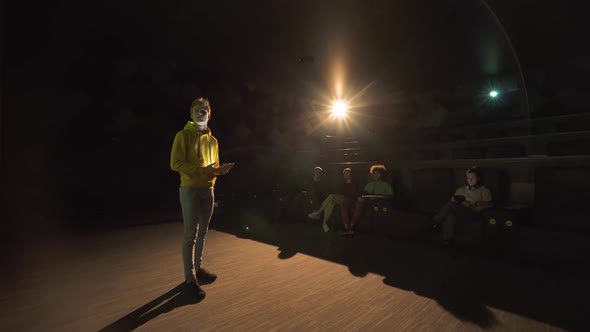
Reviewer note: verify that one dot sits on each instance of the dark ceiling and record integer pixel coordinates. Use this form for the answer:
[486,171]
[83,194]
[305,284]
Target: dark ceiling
[90,52]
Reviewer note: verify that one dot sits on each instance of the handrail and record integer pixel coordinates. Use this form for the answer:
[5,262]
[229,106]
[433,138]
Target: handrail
[552,120]
[535,161]
[513,139]
[481,142]
[499,162]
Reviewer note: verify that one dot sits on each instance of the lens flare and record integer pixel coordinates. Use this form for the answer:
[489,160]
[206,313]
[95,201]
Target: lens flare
[339,108]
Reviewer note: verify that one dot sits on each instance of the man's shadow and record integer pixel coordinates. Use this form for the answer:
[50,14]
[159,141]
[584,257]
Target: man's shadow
[174,298]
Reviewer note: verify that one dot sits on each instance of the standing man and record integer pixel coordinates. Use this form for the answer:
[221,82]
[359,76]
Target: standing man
[195,155]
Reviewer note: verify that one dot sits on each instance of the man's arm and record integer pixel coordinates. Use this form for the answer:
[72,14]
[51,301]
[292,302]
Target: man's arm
[178,160]
[486,199]
[366,189]
[483,204]
[388,191]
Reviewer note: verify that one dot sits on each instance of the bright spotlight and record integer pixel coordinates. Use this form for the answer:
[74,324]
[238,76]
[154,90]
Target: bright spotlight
[339,108]
[493,93]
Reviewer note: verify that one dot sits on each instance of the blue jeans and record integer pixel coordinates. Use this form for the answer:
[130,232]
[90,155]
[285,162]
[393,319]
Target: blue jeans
[197,208]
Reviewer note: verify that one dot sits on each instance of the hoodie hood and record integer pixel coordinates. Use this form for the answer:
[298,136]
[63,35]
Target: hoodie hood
[192,126]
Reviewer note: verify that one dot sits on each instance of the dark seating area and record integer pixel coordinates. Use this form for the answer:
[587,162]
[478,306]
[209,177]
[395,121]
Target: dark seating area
[538,193]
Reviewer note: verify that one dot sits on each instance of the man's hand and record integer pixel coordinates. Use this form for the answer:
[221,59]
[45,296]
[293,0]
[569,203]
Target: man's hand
[224,169]
[466,204]
[483,204]
[211,169]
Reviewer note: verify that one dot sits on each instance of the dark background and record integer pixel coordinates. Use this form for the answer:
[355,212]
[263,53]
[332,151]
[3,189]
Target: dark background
[93,93]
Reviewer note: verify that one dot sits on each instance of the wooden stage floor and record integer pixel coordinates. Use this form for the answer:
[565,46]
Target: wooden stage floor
[278,277]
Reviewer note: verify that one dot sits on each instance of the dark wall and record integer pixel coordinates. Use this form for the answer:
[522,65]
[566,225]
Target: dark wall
[561,198]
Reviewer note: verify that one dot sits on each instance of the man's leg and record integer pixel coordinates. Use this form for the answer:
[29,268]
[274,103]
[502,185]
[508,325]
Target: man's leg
[332,201]
[206,198]
[449,227]
[343,202]
[358,210]
[444,211]
[328,201]
[316,214]
[345,215]
[189,203]
[455,211]
[346,210]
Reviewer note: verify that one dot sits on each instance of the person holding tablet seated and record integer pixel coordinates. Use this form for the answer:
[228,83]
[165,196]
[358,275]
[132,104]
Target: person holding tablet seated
[467,203]
[376,189]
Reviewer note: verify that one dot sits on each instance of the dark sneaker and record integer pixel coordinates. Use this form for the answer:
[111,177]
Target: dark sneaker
[347,232]
[435,224]
[206,276]
[194,288]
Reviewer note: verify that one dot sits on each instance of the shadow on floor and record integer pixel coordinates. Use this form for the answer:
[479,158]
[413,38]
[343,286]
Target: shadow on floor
[465,284]
[174,298]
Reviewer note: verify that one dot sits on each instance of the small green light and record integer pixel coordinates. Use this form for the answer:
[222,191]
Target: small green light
[493,93]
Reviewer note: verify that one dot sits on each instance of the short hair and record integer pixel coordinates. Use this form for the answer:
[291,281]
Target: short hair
[200,101]
[347,169]
[318,168]
[474,170]
[379,168]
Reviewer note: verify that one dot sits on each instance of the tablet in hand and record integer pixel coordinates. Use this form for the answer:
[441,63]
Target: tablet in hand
[459,198]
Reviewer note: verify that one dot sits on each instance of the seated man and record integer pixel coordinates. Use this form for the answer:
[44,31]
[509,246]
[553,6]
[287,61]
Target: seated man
[467,202]
[345,193]
[318,190]
[376,189]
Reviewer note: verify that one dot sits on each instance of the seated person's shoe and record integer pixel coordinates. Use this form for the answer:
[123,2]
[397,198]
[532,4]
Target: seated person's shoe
[314,215]
[348,231]
[206,276]
[435,224]
[194,288]
[326,227]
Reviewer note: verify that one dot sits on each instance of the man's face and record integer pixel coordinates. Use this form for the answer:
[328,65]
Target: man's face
[347,175]
[472,179]
[317,173]
[201,113]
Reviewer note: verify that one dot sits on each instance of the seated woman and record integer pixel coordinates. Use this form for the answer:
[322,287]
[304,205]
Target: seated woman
[466,203]
[377,188]
[344,194]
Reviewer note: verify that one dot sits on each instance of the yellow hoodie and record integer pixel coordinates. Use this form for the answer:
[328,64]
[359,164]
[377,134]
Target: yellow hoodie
[193,150]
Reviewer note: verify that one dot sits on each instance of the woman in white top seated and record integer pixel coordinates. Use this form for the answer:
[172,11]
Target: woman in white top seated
[377,187]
